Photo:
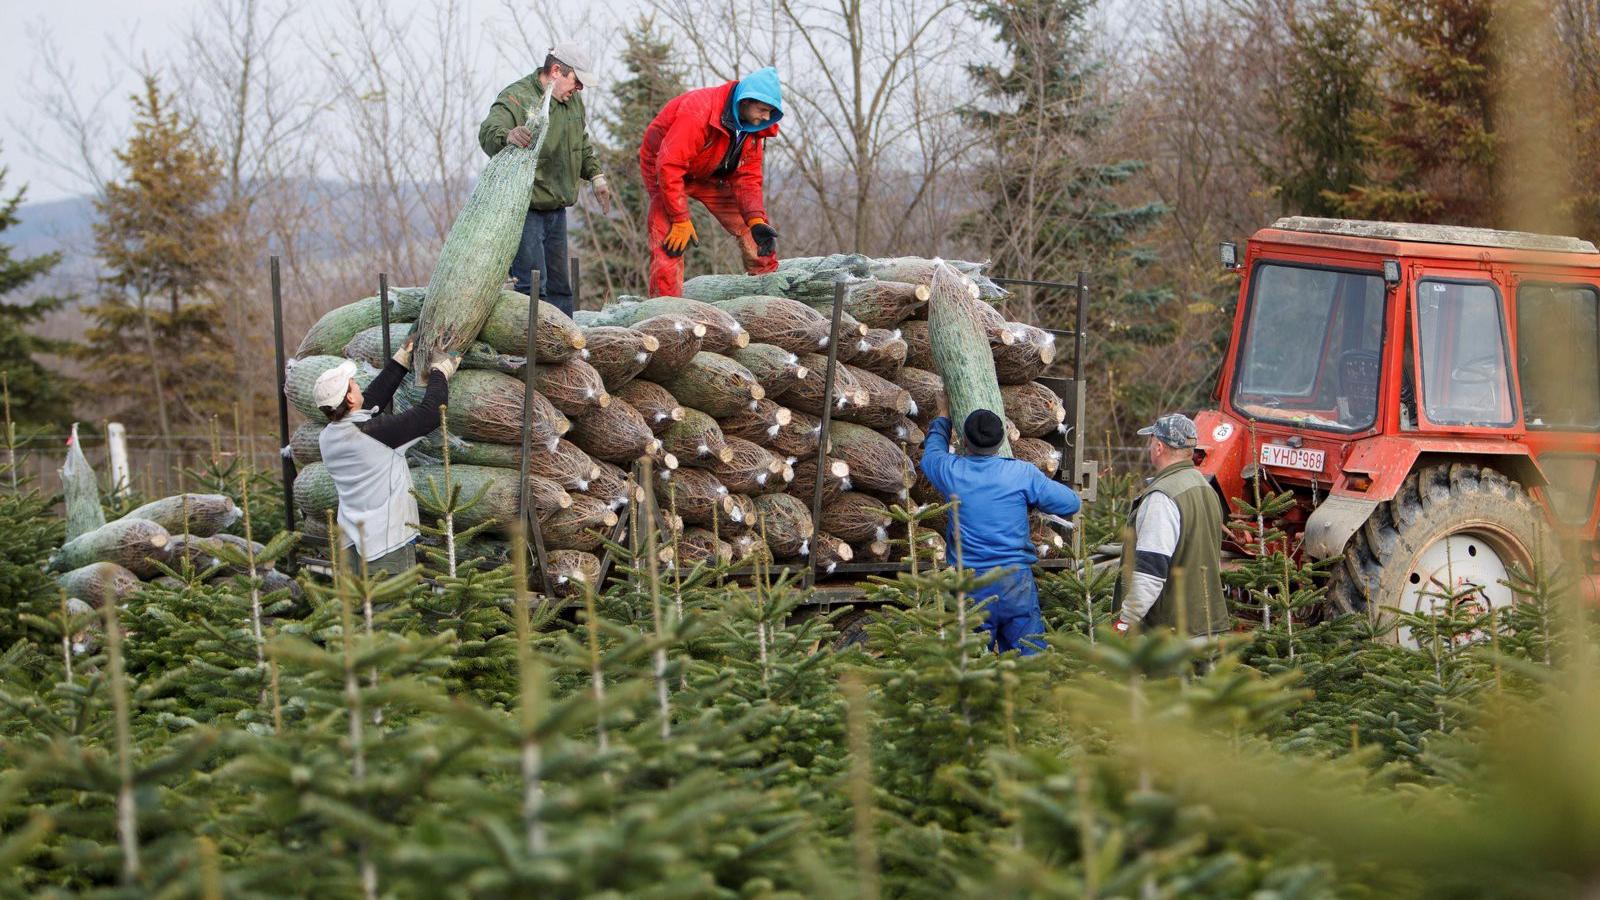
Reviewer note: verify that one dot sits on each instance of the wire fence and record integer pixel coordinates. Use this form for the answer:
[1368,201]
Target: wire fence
[156,468]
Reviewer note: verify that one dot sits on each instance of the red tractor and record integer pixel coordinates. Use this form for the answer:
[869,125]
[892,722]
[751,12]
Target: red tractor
[1431,395]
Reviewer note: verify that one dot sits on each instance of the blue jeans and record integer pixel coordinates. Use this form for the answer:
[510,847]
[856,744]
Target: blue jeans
[544,247]
[1013,611]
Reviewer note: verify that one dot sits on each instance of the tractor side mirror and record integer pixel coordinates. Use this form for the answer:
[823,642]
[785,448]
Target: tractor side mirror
[1228,253]
[1391,272]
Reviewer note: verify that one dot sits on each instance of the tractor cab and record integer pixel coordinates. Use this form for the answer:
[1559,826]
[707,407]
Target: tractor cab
[1431,394]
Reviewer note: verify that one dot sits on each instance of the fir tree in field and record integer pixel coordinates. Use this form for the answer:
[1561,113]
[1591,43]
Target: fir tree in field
[39,395]
[619,258]
[1052,204]
[157,346]
[1329,93]
[1432,144]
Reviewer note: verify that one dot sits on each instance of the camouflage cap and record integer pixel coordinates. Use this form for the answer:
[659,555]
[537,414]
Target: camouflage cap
[1176,430]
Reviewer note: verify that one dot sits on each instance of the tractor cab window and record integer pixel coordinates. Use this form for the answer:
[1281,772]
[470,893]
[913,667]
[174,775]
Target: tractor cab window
[1558,355]
[1461,339]
[1310,348]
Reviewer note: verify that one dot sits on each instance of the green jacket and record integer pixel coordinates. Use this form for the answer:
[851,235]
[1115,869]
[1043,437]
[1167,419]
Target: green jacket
[1195,579]
[566,155]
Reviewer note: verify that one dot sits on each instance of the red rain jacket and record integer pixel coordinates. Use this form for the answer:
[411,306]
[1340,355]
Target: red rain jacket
[687,140]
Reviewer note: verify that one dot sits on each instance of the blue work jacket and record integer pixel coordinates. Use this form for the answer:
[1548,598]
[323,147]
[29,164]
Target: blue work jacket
[996,494]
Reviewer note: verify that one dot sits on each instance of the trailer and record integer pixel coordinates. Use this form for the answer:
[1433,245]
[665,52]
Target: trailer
[846,582]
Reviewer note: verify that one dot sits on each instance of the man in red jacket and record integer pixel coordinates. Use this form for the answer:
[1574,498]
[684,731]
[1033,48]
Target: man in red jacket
[706,144]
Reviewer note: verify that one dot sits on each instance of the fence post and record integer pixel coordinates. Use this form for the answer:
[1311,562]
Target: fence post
[117,446]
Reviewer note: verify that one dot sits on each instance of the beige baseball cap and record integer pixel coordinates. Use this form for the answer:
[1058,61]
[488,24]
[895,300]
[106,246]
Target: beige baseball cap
[578,58]
[333,384]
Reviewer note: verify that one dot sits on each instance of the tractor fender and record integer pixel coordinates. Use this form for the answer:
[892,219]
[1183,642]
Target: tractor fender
[1388,460]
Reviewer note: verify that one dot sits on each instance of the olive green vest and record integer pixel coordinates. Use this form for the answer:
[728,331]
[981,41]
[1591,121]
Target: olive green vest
[1196,571]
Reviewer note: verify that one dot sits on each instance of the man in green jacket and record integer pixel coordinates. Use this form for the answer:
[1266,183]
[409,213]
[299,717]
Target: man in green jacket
[565,156]
[1173,577]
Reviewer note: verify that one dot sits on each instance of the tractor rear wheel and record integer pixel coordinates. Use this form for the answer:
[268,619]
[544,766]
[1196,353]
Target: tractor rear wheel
[1452,531]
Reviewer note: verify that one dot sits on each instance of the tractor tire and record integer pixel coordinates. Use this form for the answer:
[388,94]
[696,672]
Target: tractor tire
[1457,521]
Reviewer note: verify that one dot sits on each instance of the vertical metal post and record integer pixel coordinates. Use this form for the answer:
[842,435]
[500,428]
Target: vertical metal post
[530,519]
[573,271]
[383,319]
[823,444]
[283,408]
[1077,331]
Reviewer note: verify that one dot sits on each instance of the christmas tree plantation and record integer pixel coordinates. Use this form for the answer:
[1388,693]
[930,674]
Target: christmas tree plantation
[681,733]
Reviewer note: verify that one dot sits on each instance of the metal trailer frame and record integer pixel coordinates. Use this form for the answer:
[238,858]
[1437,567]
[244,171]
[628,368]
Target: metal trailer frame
[1075,471]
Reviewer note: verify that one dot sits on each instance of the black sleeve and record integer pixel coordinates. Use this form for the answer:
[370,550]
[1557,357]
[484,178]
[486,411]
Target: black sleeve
[398,429]
[382,388]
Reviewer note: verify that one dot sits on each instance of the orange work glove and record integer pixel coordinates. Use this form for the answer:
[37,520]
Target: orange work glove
[679,238]
[766,237]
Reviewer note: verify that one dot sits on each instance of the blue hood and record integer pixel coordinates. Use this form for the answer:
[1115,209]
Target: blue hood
[762,85]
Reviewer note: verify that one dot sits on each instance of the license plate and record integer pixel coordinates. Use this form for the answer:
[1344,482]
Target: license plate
[1292,457]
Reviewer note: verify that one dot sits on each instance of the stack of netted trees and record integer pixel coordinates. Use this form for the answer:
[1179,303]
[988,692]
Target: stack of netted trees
[722,389]
[182,534]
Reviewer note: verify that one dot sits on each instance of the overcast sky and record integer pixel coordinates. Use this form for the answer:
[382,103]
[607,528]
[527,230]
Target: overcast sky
[87,29]
[107,39]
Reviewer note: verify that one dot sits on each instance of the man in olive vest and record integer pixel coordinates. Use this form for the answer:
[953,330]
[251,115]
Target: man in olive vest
[1173,577]
[565,158]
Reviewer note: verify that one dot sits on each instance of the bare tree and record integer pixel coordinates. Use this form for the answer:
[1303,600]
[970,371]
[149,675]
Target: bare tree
[857,97]
[240,79]
[407,98]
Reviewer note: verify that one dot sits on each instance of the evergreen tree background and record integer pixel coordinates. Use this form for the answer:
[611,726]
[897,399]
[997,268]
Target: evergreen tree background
[158,339]
[1431,141]
[40,396]
[1329,96]
[1051,208]
[618,257]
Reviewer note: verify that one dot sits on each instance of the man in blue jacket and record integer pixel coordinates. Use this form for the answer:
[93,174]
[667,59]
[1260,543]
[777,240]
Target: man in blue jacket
[995,494]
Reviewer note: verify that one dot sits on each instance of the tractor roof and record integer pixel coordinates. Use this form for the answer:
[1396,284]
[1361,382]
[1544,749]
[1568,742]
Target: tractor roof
[1436,234]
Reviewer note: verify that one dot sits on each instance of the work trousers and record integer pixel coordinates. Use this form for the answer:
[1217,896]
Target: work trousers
[716,195]
[544,247]
[391,564]
[1012,604]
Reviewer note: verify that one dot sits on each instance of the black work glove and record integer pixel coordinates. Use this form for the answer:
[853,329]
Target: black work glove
[766,238]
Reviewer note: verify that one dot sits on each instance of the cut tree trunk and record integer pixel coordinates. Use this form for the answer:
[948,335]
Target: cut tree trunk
[776,369]
[807,396]
[723,331]
[697,441]
[876,462]
[574,387]
[1034,409]
[616,433]
[659,408]
[1027,358]
[780,321]
[836,482]
[679,337]
[785,523]
[618,354]
[760,425]
[506,330]
[715,384]
[885,354]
